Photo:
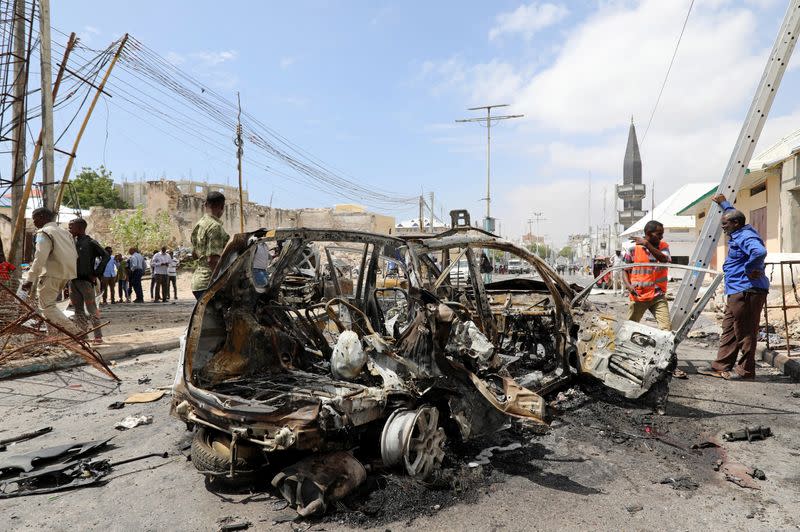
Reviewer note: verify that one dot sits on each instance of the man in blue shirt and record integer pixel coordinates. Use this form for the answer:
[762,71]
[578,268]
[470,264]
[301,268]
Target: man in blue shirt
[746,288]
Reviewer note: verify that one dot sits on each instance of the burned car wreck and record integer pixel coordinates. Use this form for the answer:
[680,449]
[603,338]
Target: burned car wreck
[324,348]
[350,340]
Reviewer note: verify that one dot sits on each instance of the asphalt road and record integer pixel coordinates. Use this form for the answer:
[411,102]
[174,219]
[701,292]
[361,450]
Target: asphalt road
[597,468]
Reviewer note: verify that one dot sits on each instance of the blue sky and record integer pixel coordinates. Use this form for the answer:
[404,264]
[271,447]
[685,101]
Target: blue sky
[373,89]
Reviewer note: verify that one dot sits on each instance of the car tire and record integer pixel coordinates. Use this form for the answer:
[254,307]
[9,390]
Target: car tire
[211,455]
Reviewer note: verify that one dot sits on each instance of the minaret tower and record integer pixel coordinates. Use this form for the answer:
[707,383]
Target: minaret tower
[632,190]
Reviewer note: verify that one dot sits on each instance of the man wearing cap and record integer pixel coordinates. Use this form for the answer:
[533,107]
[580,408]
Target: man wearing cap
[54,264]
[208,241]
[746,288]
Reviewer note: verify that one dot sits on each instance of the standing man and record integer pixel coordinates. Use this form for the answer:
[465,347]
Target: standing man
[746,287]
[53,266]
[172,274]
[82,289]
[109,282]
[208,241]
[135,273]
[160,270]
[616,276]
[647,286]
[122,279]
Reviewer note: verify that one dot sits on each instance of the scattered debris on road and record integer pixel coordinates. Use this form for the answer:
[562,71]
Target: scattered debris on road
[133,421]
[145,397]
[684,483]
[23,437]
[748,433]
[58,468]
[313,483]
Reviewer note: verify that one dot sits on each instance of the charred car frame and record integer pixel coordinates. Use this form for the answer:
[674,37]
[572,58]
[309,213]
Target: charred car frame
[327,350]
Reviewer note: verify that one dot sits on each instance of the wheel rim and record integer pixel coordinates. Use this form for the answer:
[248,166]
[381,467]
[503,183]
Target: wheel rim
[413,439]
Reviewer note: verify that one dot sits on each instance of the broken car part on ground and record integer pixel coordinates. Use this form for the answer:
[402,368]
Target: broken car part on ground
[358,341]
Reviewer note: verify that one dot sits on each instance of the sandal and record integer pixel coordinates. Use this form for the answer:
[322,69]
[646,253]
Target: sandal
[710,372]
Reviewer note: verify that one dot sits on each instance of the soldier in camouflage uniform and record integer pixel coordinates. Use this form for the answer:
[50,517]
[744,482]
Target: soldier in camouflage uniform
[208,241]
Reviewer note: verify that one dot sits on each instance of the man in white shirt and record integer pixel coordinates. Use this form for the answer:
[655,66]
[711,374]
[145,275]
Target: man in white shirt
[136,266]
[172,274]
[160,268]
[617,260]
[54,265]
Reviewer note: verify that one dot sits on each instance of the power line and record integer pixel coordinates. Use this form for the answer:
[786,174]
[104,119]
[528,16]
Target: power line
[669,69]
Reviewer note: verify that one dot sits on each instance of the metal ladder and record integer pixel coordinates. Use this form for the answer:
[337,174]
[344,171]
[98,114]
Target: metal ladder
[740,158]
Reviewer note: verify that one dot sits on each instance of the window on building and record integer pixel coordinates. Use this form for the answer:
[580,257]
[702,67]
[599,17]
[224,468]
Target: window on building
[758,189]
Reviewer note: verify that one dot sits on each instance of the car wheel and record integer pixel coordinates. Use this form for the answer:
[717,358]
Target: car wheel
[211,455]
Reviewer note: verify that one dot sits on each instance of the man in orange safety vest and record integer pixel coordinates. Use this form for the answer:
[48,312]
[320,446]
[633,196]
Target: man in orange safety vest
[647,286]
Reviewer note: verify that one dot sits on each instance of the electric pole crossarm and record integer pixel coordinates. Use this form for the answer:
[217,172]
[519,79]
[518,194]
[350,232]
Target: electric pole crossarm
[740,158]
[502,117]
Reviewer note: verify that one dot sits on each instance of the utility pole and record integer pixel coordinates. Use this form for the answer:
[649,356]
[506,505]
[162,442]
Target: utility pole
[59,195]
[432,215]
[239,152]
[19,221]
[537,218]
[48,170]
[421,213]
[19,119]
[488,120]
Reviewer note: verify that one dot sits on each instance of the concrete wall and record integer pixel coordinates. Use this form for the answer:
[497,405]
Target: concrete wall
[789,201]
[138,193]
[186,209]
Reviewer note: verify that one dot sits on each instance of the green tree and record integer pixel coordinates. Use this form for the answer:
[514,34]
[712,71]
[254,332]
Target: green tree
[542,250]
[137,229]
[567,252]
[94,188]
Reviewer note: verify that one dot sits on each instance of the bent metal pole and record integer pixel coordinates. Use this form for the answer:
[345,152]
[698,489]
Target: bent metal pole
[74,152]
[740,158]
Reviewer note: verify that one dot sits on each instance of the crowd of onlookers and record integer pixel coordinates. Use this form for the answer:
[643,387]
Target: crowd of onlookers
[68,263]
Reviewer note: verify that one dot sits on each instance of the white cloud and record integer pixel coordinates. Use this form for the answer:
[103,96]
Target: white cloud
[528,19]
[214,58]
[609,67]
[613,66]
[175,58]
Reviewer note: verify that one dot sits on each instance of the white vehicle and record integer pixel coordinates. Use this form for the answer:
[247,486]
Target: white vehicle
[460,272]
[516,267]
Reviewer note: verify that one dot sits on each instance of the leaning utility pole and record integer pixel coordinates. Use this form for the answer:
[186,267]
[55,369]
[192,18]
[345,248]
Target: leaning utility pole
[239,152]
[19,119]
[48,170]
[740,158]
[100,89]
[488,120]
[19,215]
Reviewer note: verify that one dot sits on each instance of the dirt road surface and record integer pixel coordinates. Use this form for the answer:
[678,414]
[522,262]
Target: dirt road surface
[597,467]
